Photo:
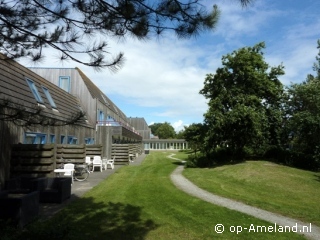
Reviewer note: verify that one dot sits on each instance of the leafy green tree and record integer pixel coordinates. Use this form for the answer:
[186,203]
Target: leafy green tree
[154,127]
[180,134]
[194,134]
[244,98]
[165,131]
[303,107]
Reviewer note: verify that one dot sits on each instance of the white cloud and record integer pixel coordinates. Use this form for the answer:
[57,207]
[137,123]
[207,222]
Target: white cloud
[178,126]
[165,76]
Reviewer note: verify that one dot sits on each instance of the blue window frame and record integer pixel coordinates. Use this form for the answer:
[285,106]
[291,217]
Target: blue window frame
[89,140]
[48,95]
[52,138]
[72,140]
[100,115]
[62,139]
[35,138]
[34,90]
[65,83]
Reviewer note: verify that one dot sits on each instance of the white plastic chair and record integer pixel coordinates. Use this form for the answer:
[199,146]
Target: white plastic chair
[97,162]
[88,161]
[109,162]
[69,167]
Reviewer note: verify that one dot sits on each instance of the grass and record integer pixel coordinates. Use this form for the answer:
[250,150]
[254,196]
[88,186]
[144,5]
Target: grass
[277,188]
[140,202]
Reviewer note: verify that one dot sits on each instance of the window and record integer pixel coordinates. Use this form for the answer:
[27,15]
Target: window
[65,83]
[52,138]
[100,115]
[72,140]
[105,100]
[34,90]
[35,138]
[48,95]
[62,139]
[89,140]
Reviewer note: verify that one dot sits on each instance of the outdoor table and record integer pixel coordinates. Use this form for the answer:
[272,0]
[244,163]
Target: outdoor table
[61,170]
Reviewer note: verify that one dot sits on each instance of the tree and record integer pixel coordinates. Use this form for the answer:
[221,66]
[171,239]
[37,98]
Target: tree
[180,134]
[73,27]
[244,98]
[163,130]
[303,109]
[194,134]
[154,127]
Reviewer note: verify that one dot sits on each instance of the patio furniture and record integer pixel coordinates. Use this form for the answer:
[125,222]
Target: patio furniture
[106,162]
[68,170]
[131,157]
[55,190]
[89,162]
[20,208]
[22,184]
[97,162]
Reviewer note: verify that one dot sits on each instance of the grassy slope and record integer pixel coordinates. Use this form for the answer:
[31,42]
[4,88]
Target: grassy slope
[140,202]
[289,191]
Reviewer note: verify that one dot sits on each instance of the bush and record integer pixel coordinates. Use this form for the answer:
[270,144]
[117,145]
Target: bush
[217,156]
[293,158]
[198,161]
[278,155]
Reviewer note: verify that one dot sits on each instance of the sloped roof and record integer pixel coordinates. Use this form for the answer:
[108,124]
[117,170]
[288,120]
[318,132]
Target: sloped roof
[97,93]
[14,88]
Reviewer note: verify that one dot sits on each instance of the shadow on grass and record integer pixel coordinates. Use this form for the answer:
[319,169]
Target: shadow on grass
[87,219]
[317,177]
[179,163]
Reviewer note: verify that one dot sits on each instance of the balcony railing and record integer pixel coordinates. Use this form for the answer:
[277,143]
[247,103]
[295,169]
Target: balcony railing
[117,124]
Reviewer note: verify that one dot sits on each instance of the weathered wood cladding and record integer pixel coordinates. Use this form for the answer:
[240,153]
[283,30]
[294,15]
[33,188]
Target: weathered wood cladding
[70,153]
[121,152]
[32,160]
[94,150]
[39,160]
[14,87]
[9,134]
[12,134]
[90,96]
[77,87]
[131,135]
[140,126]
[135,148]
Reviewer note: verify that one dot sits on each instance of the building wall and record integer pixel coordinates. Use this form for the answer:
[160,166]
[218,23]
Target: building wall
[15,90]
[140,126]
[77,87]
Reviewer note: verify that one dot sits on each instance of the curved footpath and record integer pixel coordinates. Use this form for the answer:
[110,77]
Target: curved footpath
[185,185]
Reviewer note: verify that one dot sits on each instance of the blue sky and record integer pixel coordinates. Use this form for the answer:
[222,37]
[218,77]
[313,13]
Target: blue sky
[161,78]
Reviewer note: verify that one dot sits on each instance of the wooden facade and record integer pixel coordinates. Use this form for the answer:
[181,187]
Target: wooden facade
[18,101]
[70,92]
[40,160]
[112,125]
[140,126]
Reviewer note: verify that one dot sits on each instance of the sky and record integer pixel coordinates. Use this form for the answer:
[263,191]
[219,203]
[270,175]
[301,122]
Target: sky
[161,78]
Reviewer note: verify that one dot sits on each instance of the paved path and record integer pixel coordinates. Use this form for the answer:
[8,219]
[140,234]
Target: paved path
[185,185]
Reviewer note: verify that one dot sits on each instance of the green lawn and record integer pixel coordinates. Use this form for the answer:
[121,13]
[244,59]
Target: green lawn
[277,188]
[140,202]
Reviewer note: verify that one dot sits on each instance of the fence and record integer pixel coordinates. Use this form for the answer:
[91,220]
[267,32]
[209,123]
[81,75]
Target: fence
[39,160]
